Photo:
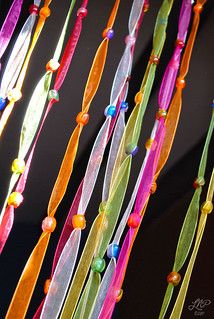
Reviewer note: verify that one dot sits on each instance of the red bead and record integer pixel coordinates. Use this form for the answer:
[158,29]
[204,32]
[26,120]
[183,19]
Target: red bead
[180,83]
[198,8]
[198,182]
[82,118]
[154,59]
[134,220]
[33,9]
[174,278]
[146,7]
[82,12]
[180,43]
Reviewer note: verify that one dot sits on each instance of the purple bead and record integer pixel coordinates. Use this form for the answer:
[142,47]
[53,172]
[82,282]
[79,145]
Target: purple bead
[109,34]
[135,150]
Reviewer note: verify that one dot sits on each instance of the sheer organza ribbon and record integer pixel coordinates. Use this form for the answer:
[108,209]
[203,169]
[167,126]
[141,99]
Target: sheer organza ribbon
[15,94]
[206,209]
[9,25]
[30,274]
[31,122]
[18,55]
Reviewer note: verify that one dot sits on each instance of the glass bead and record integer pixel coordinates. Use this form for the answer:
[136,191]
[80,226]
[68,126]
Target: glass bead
[110,110]
[105,207]
[146,7]
[2,103]
[52,65]
[128,79]
[33,9]
[174,278]
[108,33]
[98,264]
[82,12]
[213,104]
[53,95]
[15,199]
[78,221]
[49,224]
[130,40]
[14,95]
[149,143]
[179,43]
[113,251]
[207,207]
[161,113]
[119,295]
[45,12]
[131,149]
[82,118]
[18,166]
[47,285]
[154,59]
[198,182]
[124,106]
[198,8]
[138,97]
[134,220]
[153,188]
[180,83]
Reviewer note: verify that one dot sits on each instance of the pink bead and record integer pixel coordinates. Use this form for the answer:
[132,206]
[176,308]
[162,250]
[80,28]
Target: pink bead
[130,40]
[49,224]
[82,12]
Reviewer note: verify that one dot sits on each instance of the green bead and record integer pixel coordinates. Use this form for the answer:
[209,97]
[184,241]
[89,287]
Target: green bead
[105,207]
[53,95]
[98,264]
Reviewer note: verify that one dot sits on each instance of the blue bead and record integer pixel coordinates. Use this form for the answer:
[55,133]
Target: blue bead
[113,251]
[132,149]
[110,110]
[124,106]
[213,104]
[2,103]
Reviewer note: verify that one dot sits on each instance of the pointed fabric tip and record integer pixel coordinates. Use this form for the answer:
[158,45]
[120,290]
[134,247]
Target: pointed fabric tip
[6,226]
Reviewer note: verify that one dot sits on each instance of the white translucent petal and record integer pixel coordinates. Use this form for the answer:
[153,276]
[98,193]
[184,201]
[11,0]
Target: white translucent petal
[135,14]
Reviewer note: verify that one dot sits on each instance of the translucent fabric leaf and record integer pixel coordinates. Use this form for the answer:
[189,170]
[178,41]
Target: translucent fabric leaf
[88,296]
[82,269]
[178,306]
[9,25]
[136,11]
[6,225]
[117,135]
[19,305]
[106,280]
[93,166]
[166,301]
[17,57]
[61,278]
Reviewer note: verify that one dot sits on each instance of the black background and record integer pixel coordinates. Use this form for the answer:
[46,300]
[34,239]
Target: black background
[154,249]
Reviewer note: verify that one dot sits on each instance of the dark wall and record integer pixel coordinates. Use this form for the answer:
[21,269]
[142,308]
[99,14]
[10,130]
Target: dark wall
[154,249]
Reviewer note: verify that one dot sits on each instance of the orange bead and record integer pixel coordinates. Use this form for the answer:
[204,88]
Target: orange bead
[149,143]
[47,285]
[82,118]
[198,8]
[134,220]
[15,199]
[174,278]
[161,113]
[146,7]
[78,221]
[180,83]
[138,97]
[49,224]
[119,295]
[154,59]
[153,188]
[45,12]
[52,65]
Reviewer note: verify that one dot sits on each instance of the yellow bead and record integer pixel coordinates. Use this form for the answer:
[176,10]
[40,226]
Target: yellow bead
[18,166]
[207,207]
[52,65]
[14,95]
[148,143]
[138,97]
[161,113]
[15,199]
[78,221]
